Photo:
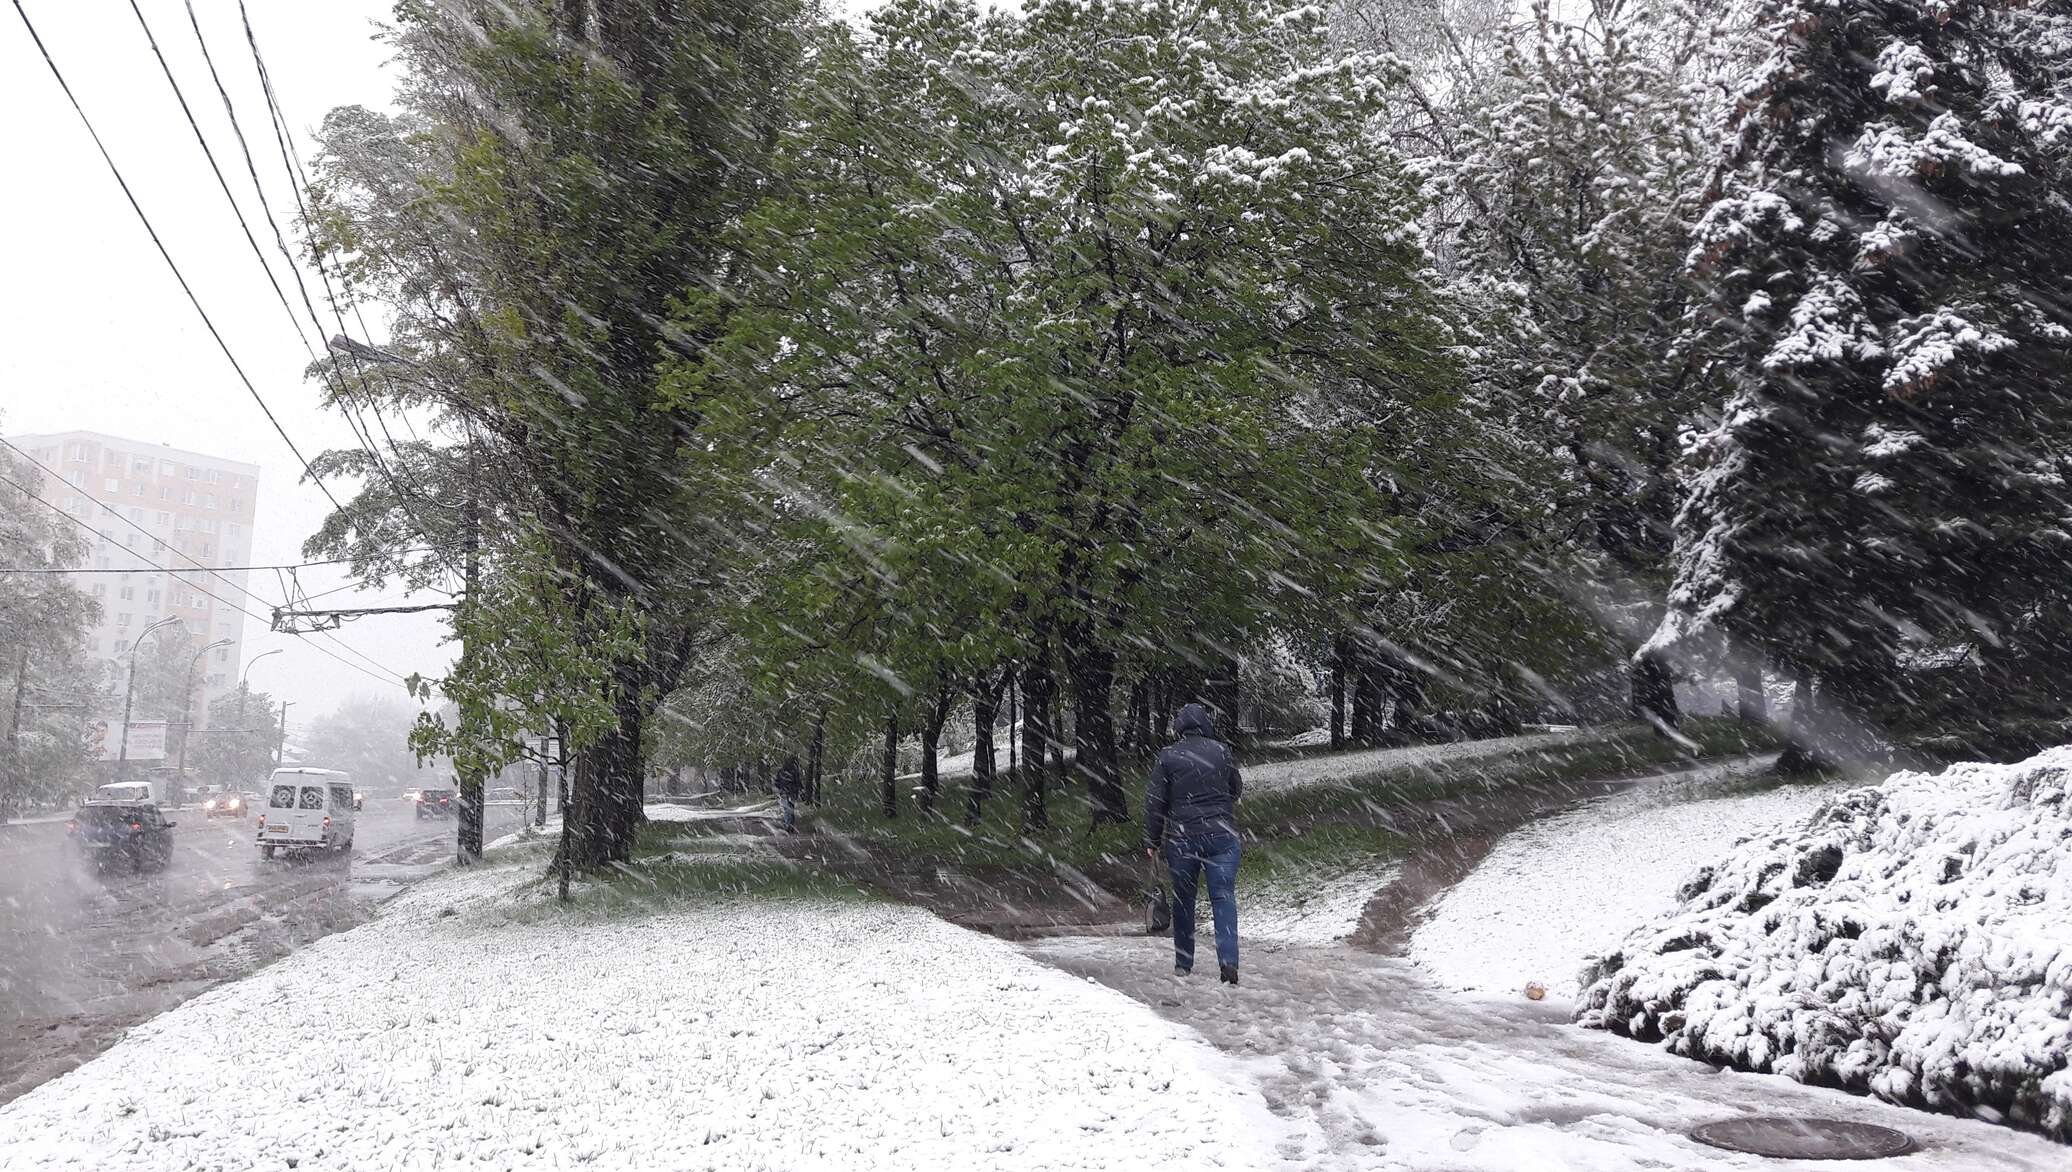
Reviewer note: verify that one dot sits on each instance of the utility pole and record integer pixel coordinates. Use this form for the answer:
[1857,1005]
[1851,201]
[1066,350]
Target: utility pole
[281,746]
[243,753]
[469,847]
[187,713]
[129,694]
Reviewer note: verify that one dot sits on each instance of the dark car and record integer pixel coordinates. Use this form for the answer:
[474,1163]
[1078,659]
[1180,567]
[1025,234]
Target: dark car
[227,804]
[435,803]
[134,834]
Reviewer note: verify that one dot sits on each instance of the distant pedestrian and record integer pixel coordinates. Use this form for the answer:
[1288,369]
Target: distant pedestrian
[1190,810]
[789,782]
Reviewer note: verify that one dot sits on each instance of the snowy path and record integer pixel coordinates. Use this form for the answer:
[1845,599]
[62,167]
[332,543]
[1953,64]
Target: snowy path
[1382,1069]
[1281,775]
[475,1024]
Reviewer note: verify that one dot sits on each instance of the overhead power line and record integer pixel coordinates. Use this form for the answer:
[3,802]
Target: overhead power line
[167,256]
[362,434]
[176,574]
[237,586]
[211,569]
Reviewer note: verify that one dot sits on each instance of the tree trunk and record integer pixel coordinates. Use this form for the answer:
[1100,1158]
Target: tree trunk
[1751,705]
[889,779]
[1037,689]
[931,743]
[1653,691]
[814,755]
[985,706]
[1338,692]
[1092,670]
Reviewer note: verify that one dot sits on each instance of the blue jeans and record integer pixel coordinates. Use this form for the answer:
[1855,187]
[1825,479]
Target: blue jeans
[791,811]
[1187,858]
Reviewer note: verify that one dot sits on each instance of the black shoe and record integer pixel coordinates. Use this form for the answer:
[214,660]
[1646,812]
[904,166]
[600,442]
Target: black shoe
[1228,973]
[1181,970]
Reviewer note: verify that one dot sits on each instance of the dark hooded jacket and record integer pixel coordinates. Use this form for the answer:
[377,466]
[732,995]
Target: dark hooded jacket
[788,782]
[1195,785]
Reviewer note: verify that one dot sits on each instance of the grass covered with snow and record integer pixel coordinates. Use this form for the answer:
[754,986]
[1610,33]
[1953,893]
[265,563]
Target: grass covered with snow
[1315,908]
[474,1023]
[1914,941]
[1559,892]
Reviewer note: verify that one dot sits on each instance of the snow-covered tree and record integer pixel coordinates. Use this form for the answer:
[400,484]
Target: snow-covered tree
[1884,261]
[1103,332]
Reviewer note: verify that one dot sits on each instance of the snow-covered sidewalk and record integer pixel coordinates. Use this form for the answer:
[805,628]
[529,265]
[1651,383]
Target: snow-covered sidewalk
[476,1024]
[1377,1067]
[1555,893]
[1280,775]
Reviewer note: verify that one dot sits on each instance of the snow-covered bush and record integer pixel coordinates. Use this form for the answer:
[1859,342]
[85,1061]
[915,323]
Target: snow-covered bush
[1912,940]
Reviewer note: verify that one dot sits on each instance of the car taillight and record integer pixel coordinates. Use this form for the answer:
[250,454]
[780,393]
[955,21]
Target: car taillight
[136,826]
[327,821]
[71,827]
[443,801]
[262,821]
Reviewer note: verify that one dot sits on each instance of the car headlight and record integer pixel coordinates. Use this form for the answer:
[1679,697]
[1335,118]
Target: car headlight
[209,805]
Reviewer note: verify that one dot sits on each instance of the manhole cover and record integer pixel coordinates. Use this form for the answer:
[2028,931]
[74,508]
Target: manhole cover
[1784,1137]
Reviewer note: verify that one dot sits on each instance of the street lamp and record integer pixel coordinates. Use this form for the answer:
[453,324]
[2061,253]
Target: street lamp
[129,693]
[241,684]
[243,757]
[187,712]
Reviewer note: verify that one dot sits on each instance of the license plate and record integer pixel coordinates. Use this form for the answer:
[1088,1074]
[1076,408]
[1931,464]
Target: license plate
[277,830]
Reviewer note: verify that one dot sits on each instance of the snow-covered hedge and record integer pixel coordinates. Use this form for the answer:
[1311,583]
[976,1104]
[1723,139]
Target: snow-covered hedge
[1912,940]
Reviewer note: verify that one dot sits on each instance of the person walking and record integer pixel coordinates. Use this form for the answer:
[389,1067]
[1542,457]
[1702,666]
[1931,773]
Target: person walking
[1190,810]
[788,783]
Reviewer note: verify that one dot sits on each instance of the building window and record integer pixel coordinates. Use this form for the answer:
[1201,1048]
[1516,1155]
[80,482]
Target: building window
[128,592]
[112,458]
[165,519]
[190,471]
[208,500]
[100,590]
[215,679]
[101,562]
[165,492]
[122,620]
[141,466]
[76,478]
[237,504]
[222,655]
[137,489]
[206,548]
[151,596]
[215,476]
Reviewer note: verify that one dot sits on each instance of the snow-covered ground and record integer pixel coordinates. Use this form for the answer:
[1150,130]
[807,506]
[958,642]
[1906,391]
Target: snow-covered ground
[1379,1068]
[1279,775]
[1554,894]
[474,1025]
[1914,940]
[1306,911]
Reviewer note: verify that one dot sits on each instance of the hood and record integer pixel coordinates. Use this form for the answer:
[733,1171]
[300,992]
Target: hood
[1194,719]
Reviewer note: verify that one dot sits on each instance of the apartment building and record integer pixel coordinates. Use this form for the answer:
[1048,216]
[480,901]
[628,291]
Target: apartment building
[185,512]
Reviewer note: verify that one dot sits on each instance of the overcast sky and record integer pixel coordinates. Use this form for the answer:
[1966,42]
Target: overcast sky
[98,334]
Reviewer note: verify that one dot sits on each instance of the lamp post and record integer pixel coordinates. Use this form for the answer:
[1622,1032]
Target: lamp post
[187,712]
[129,693]
[242,692]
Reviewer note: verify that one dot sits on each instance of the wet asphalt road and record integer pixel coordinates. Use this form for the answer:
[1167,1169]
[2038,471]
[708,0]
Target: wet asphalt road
[86,955]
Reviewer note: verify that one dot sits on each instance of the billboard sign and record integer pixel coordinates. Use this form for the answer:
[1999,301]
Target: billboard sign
[146,740]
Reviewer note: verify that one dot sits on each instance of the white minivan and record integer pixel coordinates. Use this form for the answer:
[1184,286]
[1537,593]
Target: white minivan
[307,810]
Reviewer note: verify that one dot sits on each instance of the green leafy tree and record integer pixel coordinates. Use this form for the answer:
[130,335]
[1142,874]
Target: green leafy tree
[1089,330]
[236,748]
[561,173]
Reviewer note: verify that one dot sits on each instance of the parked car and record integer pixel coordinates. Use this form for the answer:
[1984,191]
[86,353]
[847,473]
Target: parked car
[435,803]
[307,810]
[134,834]
[224,804]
